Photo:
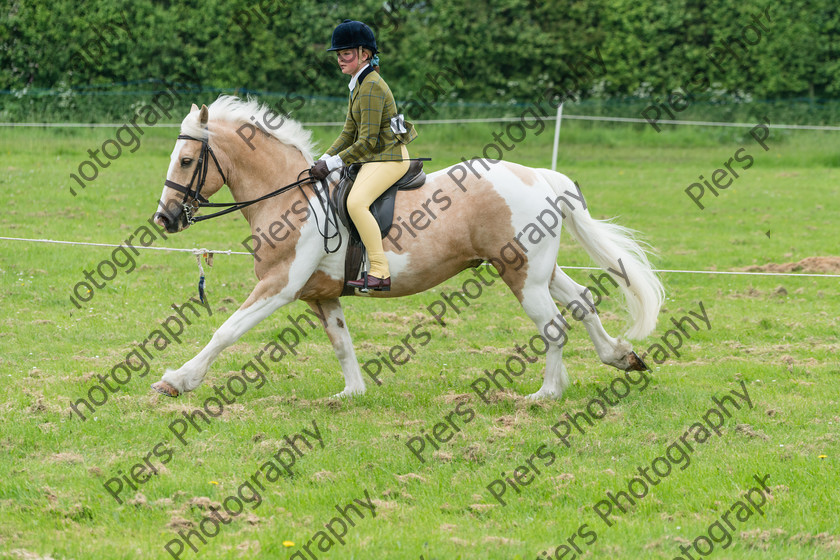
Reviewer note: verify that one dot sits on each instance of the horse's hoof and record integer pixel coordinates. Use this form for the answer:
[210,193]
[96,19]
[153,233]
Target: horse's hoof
[636,363]
[165,388]
[347,393]
[541,394]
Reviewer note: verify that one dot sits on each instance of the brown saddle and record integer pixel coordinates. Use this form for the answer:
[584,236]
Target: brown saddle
[382,210]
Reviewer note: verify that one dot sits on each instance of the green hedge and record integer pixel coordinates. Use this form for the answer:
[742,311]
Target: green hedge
[501,51]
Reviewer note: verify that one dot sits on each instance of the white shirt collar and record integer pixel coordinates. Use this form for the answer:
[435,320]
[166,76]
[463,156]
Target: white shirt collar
[355,77]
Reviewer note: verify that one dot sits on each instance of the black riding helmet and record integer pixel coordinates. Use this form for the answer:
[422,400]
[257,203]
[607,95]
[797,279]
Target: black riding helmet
[351,34]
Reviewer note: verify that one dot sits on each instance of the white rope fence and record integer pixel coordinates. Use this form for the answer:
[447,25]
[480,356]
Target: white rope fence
[229,252]
[558,117]
[193,251]
[724,272]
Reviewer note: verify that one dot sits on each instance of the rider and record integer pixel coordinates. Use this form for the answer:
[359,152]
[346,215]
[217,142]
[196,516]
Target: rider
[374,134]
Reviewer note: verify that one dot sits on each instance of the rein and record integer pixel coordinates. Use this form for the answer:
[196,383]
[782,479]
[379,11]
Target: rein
[199,177]
[234,206]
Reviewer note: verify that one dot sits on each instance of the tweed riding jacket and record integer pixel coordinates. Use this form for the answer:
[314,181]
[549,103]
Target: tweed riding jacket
[367,134]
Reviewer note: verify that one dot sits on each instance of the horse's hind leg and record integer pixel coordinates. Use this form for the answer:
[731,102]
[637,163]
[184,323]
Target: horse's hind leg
[612,351]
[332,319]
[537,303]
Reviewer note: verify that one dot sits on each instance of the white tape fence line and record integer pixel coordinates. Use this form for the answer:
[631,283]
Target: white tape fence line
[229,252]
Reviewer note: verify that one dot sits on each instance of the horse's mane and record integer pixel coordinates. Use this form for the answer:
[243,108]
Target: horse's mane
[233,109]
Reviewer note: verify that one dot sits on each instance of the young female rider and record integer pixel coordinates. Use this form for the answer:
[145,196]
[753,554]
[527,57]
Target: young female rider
[374,135]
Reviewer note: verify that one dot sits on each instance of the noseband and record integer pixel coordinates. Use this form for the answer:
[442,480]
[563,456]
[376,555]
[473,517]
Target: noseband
[199,176]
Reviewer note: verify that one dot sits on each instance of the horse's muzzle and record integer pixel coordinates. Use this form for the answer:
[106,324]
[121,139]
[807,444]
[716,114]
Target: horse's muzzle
[173,220]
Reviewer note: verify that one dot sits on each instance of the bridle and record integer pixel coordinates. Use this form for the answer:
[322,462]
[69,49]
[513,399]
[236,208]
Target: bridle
[199,177]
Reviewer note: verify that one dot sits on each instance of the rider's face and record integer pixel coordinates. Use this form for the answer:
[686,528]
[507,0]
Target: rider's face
[349,60]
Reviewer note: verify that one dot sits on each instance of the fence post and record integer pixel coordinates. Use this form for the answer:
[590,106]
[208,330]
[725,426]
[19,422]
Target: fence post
[556,137]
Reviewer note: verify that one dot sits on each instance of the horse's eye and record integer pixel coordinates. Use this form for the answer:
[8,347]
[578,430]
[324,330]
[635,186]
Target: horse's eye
[186,161]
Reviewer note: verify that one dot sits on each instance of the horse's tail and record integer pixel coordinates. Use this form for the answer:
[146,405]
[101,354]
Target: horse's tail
[615,249]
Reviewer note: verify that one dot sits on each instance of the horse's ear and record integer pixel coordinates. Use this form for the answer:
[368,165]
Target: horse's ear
[193,108]
[203,116]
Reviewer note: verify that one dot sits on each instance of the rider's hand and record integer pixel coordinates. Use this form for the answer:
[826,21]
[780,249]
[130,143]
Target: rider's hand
[319,171]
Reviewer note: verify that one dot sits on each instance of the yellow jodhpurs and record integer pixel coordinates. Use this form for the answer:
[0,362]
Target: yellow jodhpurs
[373,179]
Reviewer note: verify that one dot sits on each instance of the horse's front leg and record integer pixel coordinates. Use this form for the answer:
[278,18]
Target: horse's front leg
[262,302]
[332,319]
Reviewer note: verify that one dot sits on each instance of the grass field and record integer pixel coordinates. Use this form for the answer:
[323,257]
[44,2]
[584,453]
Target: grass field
[776,337]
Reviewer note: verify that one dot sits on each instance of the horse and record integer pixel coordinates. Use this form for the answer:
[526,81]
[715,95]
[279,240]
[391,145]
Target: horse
[478,211]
